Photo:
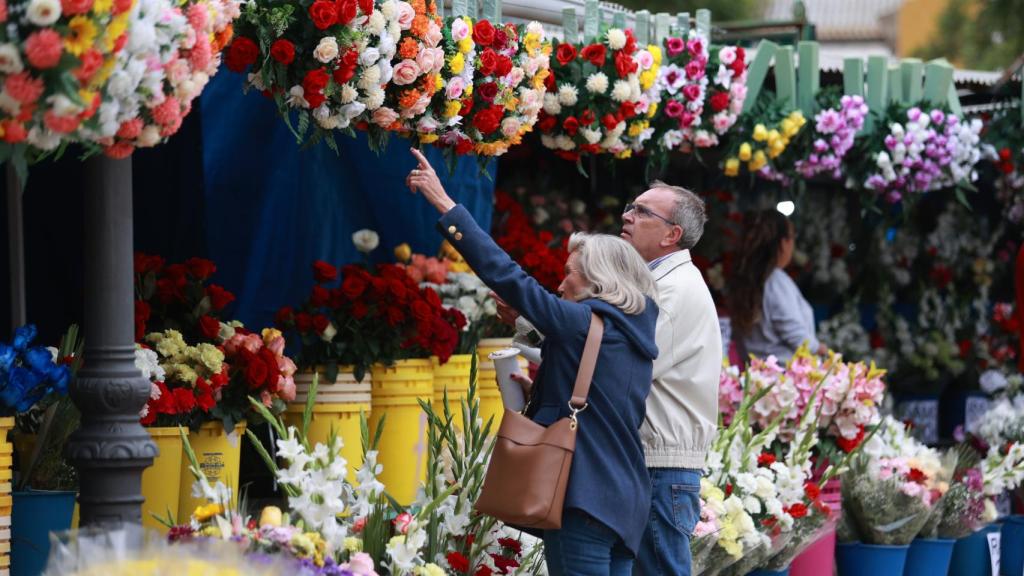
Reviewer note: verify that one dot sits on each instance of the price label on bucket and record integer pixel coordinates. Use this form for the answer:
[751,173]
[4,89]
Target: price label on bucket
[212,464]
[994,541]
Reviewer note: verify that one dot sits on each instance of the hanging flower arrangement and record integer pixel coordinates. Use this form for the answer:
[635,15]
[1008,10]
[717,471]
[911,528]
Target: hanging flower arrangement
[457,78]
[770,130]
[726,93]
[683,83]
[640,130]
[594,91]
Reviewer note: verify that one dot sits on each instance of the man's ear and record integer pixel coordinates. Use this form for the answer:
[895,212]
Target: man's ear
[673,237]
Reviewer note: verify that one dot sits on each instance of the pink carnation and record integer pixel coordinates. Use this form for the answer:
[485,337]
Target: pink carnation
[43,48]
[24,88]
[71,7]
[130,129]
[198,17]
[122,149]
[167,112]
[202,53]
[60,124]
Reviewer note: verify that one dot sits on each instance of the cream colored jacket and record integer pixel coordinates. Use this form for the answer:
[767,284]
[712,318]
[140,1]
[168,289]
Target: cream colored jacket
[682,408]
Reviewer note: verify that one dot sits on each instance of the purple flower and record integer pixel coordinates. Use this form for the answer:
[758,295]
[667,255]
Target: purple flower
[829,121]
[820,146]
[937,116]
[914,114]
[890,141]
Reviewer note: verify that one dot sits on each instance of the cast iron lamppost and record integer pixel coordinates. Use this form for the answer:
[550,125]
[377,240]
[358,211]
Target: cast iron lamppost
[110,449]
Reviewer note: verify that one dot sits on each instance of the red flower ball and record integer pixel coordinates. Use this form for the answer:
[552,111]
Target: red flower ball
[719,101]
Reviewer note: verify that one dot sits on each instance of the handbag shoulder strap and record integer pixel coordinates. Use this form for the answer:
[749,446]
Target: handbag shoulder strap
[587,362]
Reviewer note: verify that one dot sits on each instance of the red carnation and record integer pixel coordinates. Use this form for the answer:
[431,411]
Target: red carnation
[320,323]
[595,54]
[483,33]
[457,561]
[184,400]
[204,396]
[546,122]
[488,62]
[324,272]
[571,125]
[511,543]
[219,297]
[241,53]
[916,475]
[587,117]
[798,510]
[627,109]
[849,445]
[303,322]
[319,297]
[346,10]
[323,14]
[487,91]
[812,491]
[141,317]
[359,310]
[209,327]
[766,459]
[463,146]
[283,51]
[566,53]
[610,122]
[487,121]
[483,570]
[720,101]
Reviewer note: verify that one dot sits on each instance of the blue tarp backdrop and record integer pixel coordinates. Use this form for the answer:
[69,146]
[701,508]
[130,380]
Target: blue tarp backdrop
[272,209]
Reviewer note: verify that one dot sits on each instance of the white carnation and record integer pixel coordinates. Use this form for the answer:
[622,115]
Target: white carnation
[597,83]
[567,95]
[551,105]
[616,39]
[348,93]
[622,91]
[10,59]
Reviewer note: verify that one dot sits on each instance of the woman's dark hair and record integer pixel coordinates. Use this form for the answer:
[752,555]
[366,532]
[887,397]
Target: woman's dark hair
[763,233]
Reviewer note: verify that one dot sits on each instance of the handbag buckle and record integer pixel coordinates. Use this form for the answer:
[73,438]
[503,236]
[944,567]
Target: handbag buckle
[573,411]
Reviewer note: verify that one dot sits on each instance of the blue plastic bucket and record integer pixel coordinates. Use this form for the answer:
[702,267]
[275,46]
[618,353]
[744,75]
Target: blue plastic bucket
[1012,546]
[970,554]
[35,514]
[857,559]
[928,557]
[763,572]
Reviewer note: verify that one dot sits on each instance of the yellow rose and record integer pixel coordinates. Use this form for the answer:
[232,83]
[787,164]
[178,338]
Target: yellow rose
[271,516]
[457,63]
[758,161]
[745,151]
[760,133]
[468,91]
[428,138]
[656,52]
[270,334]
[207,511]
[732,167]
[647,78]
[787,127]
[403,252]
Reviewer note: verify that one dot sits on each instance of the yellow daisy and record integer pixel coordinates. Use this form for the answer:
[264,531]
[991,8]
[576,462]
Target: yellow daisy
[81,35]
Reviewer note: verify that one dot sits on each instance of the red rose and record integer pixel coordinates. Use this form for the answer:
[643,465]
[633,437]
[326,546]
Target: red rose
[394,315]
[500,39]
[209,327]
[121,6]
[320,323]
[547,122]
[421,310]
[323,14]
[366,6]
[303,322]
[284,317]
[347,68]
[432,298]
[141,317]
[719,101]
[270,362]
[624,64]
[549,83]
[595,54]
[609,121]
[241,53]
[219,297]
[282,51]
[798,510]
[201,268]
[346,10]
[487,121]
[566,53]
[571,125]
[353,287]
[483,33]
[630,46]
[488,62]
[359,310]
[587,118]
[504,66]
[184,400]
[627,109]
[319,297]
[324,272]
[812,491]
[467,106]
[487,91]
[145,263]
[255,373]
[313,87]
[463,146]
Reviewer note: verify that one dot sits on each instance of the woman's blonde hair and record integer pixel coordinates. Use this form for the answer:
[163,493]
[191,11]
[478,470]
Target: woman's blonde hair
[614,270]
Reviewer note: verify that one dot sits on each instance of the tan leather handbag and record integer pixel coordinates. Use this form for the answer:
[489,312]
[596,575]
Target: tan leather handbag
[529,470]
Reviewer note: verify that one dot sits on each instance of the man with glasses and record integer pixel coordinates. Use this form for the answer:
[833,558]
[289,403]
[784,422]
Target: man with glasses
[663,224]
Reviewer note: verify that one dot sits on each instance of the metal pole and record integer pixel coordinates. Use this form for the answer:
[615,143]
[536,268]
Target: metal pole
[16,247]
[110,449]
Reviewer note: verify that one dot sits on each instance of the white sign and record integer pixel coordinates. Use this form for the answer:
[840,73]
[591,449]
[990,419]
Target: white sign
[993,550]
[975,408]
[725,326]
[924,415]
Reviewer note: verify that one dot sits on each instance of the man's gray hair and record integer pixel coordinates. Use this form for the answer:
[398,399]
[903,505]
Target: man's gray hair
[690,213]
[614,270]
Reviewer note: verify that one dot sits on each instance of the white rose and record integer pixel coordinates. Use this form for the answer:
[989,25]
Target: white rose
[597,83]
[329,332]
[321,114]
[327,50]
[350,111]
[369,57]
[591,136]
[366,240]
[10,59]
[567,95]
[616,39]
[622,91]
[43,12]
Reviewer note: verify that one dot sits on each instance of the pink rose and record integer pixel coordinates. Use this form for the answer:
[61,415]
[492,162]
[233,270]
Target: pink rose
[675,46]
[459,29]
[406,72]
[406,14]
[286,388]
[418,108]
[276,346]
[384,117]
[456,86]
[286,366]
[427,58]
[361,563]
[252,343]
[510,127]
[674,109]
[433,37]
[438,59]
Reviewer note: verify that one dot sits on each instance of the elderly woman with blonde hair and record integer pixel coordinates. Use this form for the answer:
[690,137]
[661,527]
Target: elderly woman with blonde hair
[609,491]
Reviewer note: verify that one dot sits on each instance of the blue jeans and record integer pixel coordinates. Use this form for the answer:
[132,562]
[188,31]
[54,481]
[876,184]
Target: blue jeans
[675,510]
[585,547]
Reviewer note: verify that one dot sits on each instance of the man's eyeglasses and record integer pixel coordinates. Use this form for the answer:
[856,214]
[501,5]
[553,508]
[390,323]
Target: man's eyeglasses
[645,212]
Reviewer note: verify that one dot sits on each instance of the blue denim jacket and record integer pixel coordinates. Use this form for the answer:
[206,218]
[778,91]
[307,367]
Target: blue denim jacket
[609,478]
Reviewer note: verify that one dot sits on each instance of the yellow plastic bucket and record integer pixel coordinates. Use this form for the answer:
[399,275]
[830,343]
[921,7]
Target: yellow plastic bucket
[403,444]
[487,380]
[452,376]
[218,454]
[161,482]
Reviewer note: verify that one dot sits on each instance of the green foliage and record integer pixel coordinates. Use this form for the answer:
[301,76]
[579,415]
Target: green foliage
[979,34]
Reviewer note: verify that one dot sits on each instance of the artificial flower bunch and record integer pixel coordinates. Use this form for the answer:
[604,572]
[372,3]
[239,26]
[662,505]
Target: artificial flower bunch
[964,507]
[891,487]
[592,94]
[1004,147]
[172,51]
[832,137]
[468,294]
[639,130]
[538,253]
[29,373]
[177,296]
[771,130]
[258,367]
[376,315]
[457,77]
[726,92]
[186,380]
[923,150]
[683,84]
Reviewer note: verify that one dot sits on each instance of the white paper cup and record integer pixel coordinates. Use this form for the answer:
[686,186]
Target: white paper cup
[506,363]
